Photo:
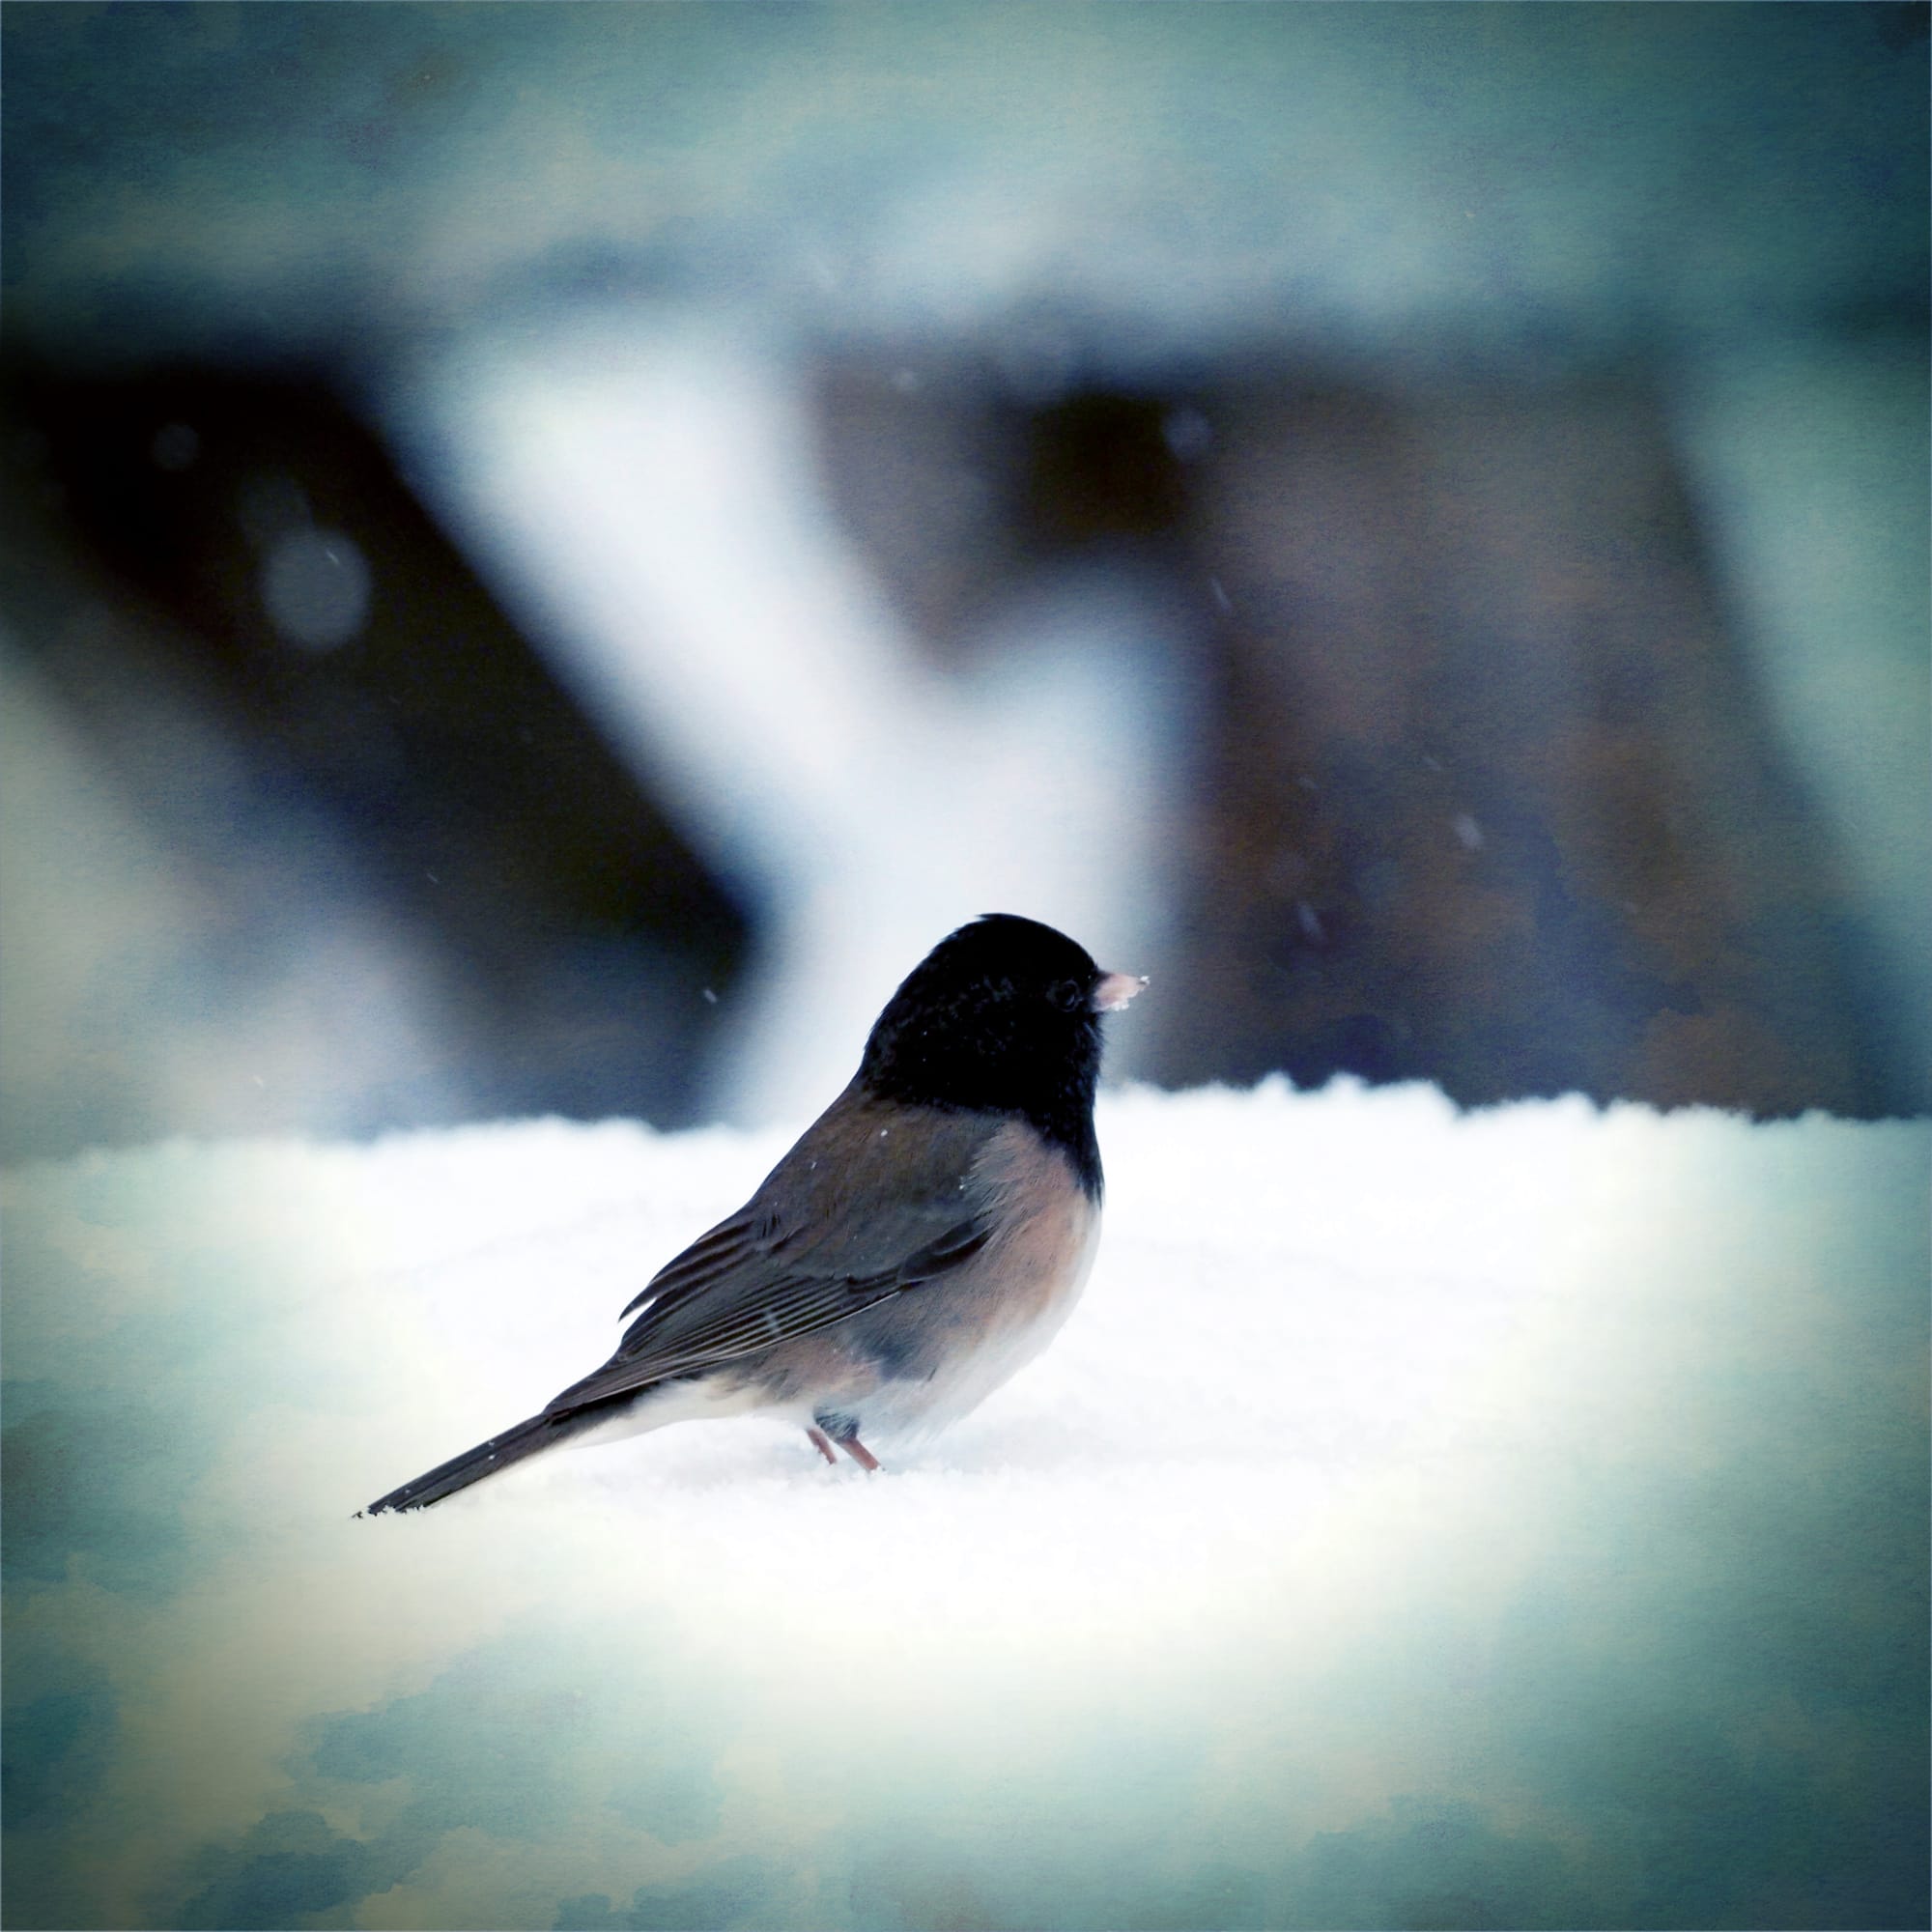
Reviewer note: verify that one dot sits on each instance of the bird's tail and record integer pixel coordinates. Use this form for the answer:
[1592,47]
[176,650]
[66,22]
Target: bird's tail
[540,1432]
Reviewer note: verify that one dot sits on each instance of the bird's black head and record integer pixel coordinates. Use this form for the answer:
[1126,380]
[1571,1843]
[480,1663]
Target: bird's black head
[1003,1015]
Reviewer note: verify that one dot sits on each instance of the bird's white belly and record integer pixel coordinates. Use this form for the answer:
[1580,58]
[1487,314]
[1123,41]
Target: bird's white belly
[903,1411]
[699,1399]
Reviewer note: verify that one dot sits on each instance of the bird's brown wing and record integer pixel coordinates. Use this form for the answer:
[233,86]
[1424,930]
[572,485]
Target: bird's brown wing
[870,1203]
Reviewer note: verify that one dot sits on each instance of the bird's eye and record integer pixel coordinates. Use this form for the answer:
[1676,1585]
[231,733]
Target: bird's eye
[1068,994]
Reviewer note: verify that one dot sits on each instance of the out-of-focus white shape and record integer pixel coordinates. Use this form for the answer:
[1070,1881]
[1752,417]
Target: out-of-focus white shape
[1813,465]
[146,987]
[315,587]
[646,497]
[82,870]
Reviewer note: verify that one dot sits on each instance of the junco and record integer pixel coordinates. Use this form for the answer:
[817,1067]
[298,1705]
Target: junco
[925,1238]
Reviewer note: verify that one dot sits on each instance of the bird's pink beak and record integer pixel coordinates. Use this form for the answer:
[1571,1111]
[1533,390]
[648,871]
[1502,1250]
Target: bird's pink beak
[1115,990]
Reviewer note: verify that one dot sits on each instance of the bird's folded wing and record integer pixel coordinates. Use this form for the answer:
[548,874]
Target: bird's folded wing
[807,1251]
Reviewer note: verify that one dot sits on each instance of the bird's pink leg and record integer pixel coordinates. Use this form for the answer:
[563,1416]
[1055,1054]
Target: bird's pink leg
[859,1453]
[822,1443]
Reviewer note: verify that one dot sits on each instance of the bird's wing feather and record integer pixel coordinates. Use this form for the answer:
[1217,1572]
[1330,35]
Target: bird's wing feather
[846,1221]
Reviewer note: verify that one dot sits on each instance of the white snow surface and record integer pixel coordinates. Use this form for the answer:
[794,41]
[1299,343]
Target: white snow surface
[1425,1518]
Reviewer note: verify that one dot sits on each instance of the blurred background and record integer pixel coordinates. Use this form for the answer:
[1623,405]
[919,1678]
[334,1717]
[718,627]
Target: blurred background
[550,552]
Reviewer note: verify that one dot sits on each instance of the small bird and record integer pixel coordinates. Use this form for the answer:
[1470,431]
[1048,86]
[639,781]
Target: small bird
[924,1239]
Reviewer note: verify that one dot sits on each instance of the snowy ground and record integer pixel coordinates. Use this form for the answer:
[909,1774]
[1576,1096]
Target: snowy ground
[1515,1519]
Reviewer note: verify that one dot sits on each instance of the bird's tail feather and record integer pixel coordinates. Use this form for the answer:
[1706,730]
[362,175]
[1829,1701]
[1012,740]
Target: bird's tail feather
[540,1432]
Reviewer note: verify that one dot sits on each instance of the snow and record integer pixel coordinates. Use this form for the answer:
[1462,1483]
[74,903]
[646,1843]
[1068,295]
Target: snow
[1512,1517]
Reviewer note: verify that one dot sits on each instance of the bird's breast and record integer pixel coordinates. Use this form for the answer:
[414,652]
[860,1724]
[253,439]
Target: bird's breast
[941,1348]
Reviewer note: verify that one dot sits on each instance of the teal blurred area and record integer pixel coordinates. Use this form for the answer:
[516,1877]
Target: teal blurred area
[1493,181]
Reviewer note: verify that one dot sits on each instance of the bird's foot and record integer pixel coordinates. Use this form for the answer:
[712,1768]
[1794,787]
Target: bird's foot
[850,1443]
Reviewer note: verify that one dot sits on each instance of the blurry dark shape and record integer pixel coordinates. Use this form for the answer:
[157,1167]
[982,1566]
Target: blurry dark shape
[923,471]
[1102,467]
[1901,29]
[274,575]
[1489,790]
[1490,797]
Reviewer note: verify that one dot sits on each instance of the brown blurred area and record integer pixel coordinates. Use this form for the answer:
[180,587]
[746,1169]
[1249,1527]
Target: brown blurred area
[1489,796]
